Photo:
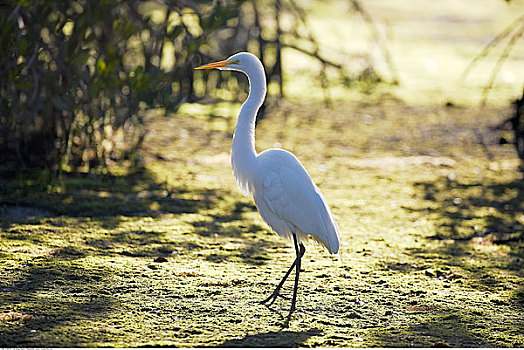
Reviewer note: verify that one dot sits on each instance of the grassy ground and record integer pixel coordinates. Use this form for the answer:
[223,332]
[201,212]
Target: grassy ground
[430,209]
[173,255]
[431,44]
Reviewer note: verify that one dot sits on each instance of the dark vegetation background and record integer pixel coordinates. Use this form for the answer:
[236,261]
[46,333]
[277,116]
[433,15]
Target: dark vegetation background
[78,76]
[118,209]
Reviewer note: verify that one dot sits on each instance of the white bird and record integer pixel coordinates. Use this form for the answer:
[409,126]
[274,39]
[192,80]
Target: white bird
[285,196]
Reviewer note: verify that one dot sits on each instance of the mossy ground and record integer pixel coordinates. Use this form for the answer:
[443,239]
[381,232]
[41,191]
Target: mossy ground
[429,224]
[430,209]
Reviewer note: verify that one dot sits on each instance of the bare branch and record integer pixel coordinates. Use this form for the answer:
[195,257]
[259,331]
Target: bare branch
[378,38]
[314,55]
[507,31]
[14,13]
[516,36]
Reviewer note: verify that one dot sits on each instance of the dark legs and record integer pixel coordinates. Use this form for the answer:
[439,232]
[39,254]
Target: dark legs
[276,292]
[300,250]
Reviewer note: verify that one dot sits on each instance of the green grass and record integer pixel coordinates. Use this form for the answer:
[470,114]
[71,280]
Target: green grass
[428,224]
[428,204]
[431,44]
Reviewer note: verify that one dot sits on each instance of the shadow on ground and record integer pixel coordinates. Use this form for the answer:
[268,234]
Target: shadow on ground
[99,261]
[91,195]
[476,212]
[447,330]
[48,296]
[477,250]
[469,214]
[283,339]
[470,210]
[105,201]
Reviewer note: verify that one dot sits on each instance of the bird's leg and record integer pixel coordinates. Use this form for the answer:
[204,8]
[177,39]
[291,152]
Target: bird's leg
[300,252]
[276,292]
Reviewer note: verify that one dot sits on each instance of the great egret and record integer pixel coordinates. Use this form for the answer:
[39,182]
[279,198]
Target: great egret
[286,197]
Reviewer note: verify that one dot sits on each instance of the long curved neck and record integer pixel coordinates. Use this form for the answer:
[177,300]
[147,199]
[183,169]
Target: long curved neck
[243,153]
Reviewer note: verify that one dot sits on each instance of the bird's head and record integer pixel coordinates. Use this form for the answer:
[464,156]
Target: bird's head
[242,61]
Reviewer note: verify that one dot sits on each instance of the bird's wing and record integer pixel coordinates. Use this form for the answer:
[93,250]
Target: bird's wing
[289,194]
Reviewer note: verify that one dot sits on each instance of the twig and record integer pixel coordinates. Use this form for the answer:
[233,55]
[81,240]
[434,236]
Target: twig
[278,64]
[314,55]
[35,75]
[491,44]
[498,65]
[378,38]
[480,139]
[309,37]
[14,13]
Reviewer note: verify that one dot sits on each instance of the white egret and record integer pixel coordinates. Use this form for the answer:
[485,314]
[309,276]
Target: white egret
[286,197]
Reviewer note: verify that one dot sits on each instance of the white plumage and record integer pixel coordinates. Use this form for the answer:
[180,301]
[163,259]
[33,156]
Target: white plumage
[285,196]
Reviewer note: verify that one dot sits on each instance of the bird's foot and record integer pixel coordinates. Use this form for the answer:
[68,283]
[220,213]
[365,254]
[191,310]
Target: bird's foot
[288,318]
[273,297]
[291,310]
[285,325]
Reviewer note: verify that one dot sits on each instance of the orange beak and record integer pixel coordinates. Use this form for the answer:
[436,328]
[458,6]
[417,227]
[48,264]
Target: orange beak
[220,64]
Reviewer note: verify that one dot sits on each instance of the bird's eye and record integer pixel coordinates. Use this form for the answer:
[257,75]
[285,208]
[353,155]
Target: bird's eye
[235,62]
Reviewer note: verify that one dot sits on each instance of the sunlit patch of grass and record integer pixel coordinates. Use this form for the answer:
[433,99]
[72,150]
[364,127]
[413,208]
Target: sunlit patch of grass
[179,255]
[430,44]
[172,254]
